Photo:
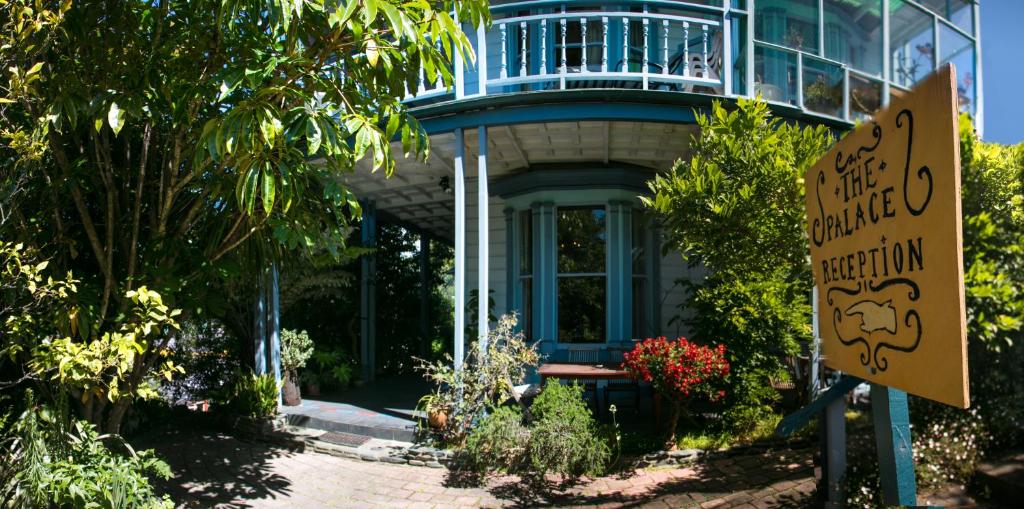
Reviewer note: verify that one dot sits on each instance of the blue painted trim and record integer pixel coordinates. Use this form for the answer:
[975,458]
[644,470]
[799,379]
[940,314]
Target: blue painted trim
[483,241]
[259,326]
[653,270]
[511,263]
[274,328]
[894,445]
[545,301]
[460,248]
[576,177]
[561,112]
[368,293]
[797,420]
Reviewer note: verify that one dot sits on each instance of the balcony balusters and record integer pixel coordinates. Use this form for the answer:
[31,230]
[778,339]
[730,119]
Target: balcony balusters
[686,49]
[704,55]
[504,53]
[643,66]
[583,38]
[522,49]
[544,46]
[625,45]
[664,46]
[604,44]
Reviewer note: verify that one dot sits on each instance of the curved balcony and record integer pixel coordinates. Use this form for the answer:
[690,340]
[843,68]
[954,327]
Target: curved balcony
[831,60]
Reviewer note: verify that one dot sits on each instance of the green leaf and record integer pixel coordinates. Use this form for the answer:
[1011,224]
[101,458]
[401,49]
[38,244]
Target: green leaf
[269,188]
[115,117]
[314,136]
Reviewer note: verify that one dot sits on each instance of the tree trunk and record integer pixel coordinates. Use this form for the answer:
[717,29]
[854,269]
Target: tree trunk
[673,421]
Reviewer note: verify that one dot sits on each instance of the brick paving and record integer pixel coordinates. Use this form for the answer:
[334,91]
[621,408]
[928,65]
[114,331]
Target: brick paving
[217,470]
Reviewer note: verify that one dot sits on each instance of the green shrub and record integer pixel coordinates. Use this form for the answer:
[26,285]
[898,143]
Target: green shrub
[252,395]
[499,441]
[561,438]
[564,438]
[52,461]
[737,208]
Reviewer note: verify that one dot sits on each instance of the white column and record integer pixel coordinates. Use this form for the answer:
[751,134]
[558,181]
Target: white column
[460,90]
[460,247]
[483,228]
[979,92]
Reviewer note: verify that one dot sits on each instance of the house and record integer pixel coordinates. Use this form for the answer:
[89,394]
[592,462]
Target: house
[540,151]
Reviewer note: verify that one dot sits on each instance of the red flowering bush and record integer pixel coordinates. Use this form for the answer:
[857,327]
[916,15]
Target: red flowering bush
[680,371]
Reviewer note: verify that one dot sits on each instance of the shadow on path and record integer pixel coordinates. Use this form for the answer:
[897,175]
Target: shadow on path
[213,469]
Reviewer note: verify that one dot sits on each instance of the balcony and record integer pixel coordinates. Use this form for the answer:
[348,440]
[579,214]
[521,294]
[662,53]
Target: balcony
[822,59]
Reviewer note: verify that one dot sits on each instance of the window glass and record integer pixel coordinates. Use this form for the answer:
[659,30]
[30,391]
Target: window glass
[581,309]
[853,33]
[581,240]
[582,302]
[957,11]
[775,74]
[641,328]
[526,272]
[823,87]
[865,97]
[959,50]
[790,23]
[912,43]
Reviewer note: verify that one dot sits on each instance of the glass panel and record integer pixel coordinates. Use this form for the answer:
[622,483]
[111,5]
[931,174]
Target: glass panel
[775,74]
[823,87]
[865,97]
[959,50]
[639,242]
[527,319]
[912,38]
[581,309]
[957,11]
[525,242]
[790,23]
[581,240]
[853,33]
[739,49]
[640,326]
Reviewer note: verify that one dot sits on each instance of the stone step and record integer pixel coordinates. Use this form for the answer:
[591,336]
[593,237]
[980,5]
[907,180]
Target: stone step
[1004,478]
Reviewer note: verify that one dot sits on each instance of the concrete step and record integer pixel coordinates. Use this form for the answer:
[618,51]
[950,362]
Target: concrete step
[401,434]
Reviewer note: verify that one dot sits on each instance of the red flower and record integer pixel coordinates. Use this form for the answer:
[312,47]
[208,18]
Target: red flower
[679,369]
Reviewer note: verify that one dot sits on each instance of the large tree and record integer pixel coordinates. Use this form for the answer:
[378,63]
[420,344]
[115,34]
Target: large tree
[145,142]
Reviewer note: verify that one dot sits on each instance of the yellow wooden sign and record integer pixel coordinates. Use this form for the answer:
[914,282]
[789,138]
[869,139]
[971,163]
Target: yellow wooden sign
[883,217]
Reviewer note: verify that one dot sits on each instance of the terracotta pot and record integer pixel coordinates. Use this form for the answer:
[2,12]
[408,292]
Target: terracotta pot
[312,389]
[290,391]
[437,418]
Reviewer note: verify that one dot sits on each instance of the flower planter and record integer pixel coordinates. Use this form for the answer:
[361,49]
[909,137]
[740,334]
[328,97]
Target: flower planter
[290,390]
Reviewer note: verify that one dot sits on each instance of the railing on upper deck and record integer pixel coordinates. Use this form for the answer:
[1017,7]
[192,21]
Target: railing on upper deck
[665,45]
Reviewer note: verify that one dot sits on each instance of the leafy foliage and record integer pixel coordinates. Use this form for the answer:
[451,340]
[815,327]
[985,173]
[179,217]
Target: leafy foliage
[252,395]
[561,438]
[65,463]
[296,349]
[182,144]
[485,379]
[737,208]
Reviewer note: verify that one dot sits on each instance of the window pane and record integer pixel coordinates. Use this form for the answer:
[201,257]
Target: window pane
[581,240]
[957,11]
[581,309]
[959,50]
[853,33]
[823,87]
[912,43]
[865,97]
[525,242]
[790,23]
[527,318]
[641,329]
[639,242]
[775,74]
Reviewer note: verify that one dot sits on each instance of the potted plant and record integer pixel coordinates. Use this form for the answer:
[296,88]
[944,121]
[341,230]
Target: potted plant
[311,382]
[679,372]
[296,349]
[331,368]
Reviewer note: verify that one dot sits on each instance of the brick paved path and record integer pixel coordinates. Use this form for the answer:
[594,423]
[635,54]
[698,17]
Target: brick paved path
[215,470]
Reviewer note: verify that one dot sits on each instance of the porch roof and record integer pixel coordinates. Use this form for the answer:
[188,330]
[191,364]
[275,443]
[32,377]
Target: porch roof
[414,196]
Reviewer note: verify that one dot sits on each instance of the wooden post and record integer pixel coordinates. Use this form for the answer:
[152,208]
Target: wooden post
[425,290]
[368,293]
[895,451]
[833,464]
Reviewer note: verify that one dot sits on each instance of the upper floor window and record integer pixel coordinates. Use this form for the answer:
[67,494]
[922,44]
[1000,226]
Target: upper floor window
[790,23]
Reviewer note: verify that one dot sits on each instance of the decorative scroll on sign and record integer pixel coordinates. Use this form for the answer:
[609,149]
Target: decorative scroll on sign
[883,217]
